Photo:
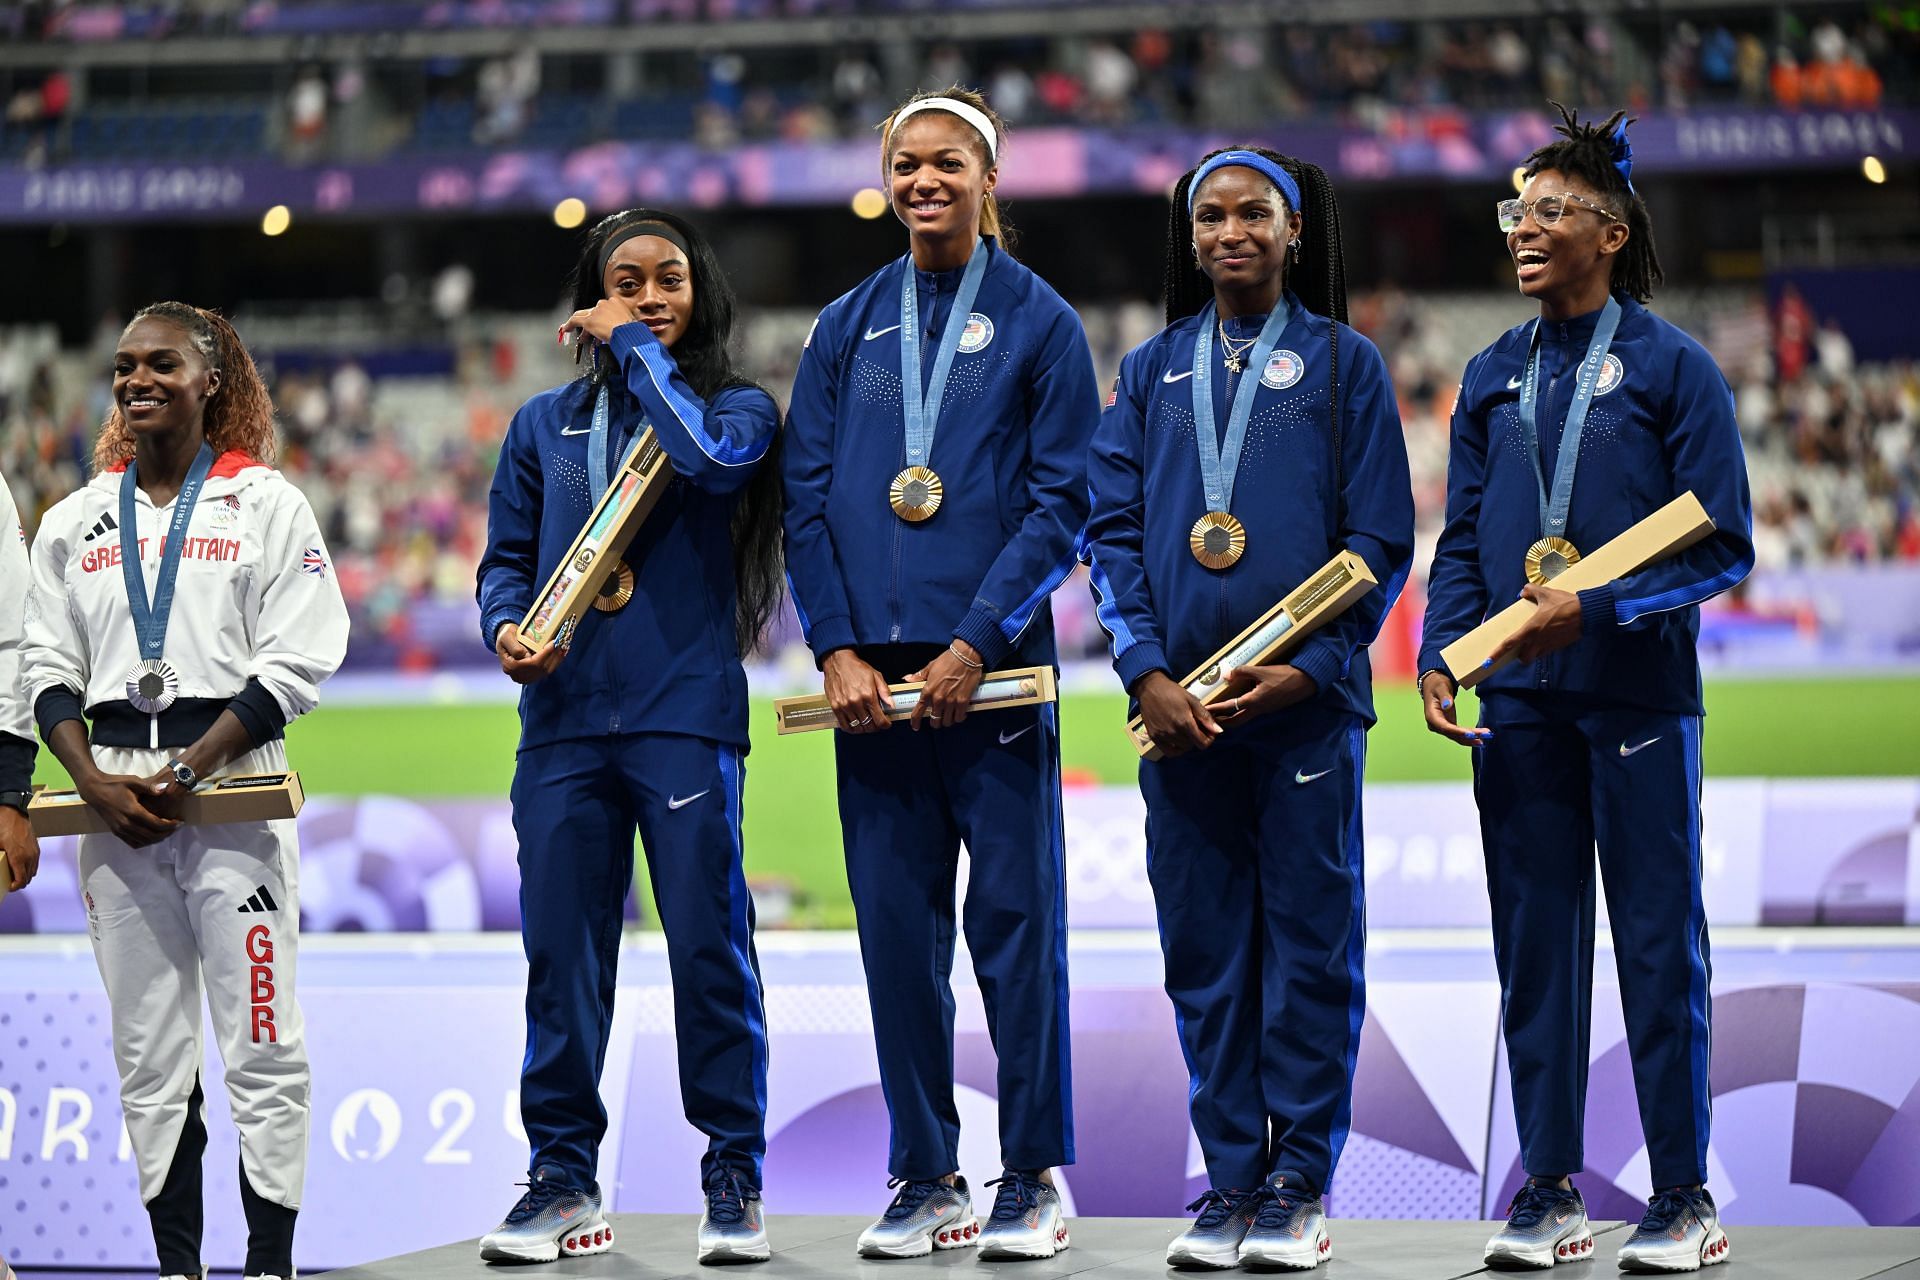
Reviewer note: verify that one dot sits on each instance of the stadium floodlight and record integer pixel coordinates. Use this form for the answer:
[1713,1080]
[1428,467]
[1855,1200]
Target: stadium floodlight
[1874,170]
[569,213]
[869,203]
[276,220]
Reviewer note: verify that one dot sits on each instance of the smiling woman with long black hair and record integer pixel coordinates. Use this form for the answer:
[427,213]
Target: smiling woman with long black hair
[1244,446]
[642,724]
[916,557]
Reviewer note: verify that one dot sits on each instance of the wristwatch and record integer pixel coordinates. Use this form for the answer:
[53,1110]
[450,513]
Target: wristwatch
[16,799]
[183,774]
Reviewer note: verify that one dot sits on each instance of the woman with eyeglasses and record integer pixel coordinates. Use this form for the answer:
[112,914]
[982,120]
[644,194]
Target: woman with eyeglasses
[1591,737]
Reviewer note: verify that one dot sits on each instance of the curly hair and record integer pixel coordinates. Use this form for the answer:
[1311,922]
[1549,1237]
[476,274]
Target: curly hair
[239,418]
[1592,153]
[993,220]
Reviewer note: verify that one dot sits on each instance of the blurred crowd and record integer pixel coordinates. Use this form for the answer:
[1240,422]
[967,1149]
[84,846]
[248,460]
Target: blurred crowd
[398,468]
[1225,76]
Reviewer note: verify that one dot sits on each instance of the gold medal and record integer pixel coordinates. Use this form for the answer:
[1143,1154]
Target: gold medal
[616,590]
[1548,558]
[915,494]
[1218,540]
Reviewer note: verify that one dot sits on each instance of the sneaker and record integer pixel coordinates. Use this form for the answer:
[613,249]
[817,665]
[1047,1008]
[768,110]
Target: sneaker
[1214,1238]
[924,1216]
[1681,1232]
[1289,1230]
[550,1220]
[1545,1225]
[734,1228]
[1026,1221]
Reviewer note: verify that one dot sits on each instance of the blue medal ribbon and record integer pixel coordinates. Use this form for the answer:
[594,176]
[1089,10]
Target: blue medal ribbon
[150,622]
[923,411]
[599,457]
[1555,508]
[1220,460]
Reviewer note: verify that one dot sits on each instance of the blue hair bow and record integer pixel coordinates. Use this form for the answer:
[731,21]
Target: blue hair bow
[1623,155]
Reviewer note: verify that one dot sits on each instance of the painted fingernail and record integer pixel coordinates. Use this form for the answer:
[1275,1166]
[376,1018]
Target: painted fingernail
[1446,704]
[1484,665]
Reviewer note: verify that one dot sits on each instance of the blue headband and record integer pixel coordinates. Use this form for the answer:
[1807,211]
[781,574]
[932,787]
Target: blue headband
[1246,160]
[1623,155]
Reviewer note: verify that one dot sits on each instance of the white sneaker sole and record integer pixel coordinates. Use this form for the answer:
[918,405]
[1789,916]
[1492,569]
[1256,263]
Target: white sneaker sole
[1574,1248]
[959,1234]
[726,1251]
[1222,1259]
[1303,1255]
[1713,1251]
[1025,1249]
[588,1238]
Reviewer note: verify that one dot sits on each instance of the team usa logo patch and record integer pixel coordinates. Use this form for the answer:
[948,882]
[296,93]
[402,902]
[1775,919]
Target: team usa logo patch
[1284,368]
[314,563]
[977,334]
[1611,373]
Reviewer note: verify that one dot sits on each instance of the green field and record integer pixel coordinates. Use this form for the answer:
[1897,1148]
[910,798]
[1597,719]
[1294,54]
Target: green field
[1800,728]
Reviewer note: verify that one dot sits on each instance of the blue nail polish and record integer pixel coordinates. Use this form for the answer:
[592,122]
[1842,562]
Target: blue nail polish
[1446,704]
[1486,664]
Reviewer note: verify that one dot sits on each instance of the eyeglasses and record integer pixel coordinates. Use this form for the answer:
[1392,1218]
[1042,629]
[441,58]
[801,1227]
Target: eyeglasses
[1547,210]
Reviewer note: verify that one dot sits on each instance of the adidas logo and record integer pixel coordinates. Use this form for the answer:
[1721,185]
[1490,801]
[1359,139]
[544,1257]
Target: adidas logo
[260,901]
[102,527]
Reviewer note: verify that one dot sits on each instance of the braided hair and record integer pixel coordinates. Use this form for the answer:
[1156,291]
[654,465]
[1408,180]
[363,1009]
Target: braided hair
[704,355]
[1316,271]
[238,418]
[1593,154]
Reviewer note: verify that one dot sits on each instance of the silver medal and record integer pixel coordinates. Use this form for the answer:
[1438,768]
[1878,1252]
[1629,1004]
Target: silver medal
[152,686]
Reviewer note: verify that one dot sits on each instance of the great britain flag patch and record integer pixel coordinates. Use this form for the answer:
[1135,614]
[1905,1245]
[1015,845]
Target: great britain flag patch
[314,563]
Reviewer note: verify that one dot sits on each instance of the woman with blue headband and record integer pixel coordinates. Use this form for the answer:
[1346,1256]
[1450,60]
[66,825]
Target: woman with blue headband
[1589,744]
[936,491]
[1242,448]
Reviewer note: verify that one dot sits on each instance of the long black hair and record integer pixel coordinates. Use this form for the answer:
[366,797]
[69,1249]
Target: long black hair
[1316,271]
[1589,152]
[705,358]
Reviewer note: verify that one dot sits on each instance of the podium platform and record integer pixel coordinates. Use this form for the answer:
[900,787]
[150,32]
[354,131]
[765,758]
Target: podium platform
[816,1247]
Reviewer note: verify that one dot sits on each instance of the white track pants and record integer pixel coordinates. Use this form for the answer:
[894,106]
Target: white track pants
[218,904]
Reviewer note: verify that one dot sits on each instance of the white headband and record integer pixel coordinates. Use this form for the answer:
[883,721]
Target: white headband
[972,115]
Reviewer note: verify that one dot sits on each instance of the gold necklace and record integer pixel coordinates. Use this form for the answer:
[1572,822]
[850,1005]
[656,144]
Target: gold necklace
[1235,357]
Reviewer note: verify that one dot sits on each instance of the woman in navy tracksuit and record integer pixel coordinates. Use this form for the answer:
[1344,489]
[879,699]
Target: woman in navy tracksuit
[641,723]
[916,556]
[1253,816]
[1593,735]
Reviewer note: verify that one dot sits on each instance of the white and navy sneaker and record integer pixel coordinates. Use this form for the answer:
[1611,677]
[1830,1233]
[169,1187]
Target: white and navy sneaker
[1545,1224]
[1213,1241]
[553,1219]
[734,1226]
[924,1216]
[1026,1221]
[1289,1231]
[1680,1232]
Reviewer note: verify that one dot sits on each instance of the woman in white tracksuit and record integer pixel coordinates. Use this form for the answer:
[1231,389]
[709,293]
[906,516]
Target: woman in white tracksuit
[184,604]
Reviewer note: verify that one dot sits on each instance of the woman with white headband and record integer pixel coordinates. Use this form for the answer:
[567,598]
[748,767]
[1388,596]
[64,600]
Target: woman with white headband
[936,487]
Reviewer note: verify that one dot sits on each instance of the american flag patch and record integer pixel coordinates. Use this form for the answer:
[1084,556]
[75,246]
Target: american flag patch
[314,563]
[1113,396]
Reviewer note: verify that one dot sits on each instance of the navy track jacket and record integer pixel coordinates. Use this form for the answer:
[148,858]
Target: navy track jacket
[1163,609]
[667,663]
[1661,423]
[1011,452]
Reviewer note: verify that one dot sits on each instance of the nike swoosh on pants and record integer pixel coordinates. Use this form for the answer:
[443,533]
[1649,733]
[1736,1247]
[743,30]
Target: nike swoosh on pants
[681,802]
